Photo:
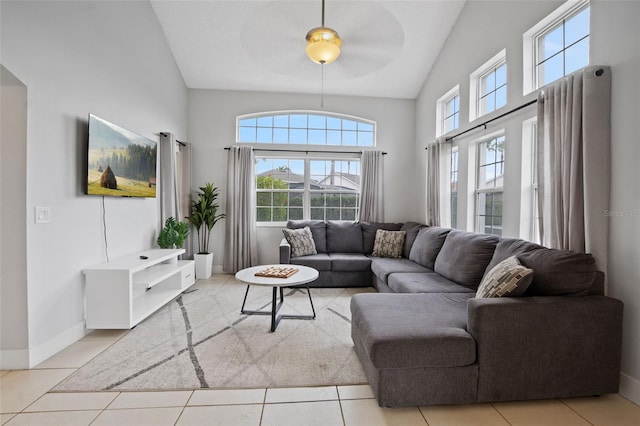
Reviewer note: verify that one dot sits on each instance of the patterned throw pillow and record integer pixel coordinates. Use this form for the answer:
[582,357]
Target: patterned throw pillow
[388,243]
[507,278]
[301,241]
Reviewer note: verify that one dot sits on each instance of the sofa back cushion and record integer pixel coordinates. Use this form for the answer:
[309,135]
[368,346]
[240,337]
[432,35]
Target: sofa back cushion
[344,237]
[465,256]
[369,233]
[427,245]
[559,272]
[412,229]
[508,247]
[318,231]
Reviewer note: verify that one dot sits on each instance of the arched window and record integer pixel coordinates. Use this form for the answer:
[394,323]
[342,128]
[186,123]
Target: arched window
[305,128]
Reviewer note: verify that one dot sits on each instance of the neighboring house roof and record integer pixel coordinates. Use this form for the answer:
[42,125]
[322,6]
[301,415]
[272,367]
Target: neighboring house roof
[283,173]
[336,181]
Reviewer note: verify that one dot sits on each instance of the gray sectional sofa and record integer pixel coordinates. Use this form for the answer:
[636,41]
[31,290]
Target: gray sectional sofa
[426,339]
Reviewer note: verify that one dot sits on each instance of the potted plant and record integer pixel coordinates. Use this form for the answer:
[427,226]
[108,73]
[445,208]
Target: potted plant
[173,234]
[204,215]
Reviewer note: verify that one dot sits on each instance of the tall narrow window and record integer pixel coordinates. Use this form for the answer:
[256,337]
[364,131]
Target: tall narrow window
[493,90]
[529,182]
[334,189]
[454,187]
[280,185]
[448,111]
[489,186]
[488,86]
[557,46]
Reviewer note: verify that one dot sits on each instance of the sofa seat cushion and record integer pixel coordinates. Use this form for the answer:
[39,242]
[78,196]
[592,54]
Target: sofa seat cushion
[465,256]
[344,237]
[320,261]
[382,267]
[413,330]
[428,282]
[349,262]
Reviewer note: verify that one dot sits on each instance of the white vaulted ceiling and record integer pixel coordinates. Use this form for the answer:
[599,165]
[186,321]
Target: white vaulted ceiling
[388,46]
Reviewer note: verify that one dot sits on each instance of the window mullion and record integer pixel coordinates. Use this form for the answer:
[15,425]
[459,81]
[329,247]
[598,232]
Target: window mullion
[306,197]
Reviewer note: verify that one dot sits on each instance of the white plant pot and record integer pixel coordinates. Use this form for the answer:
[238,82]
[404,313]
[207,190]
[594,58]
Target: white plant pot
[204,264]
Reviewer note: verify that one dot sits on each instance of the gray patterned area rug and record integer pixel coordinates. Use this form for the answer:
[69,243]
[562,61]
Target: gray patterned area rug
[200,340]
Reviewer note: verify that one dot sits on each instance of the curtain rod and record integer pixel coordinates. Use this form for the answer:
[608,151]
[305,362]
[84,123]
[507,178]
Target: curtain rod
[306,151]
[164,135]
[450,138]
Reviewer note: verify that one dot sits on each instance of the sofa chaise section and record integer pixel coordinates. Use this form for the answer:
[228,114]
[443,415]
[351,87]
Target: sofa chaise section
[415,348]
[561,338]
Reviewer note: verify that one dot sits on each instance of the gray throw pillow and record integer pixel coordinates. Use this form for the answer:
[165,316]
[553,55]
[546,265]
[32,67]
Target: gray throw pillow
[301,241]
[507,278]
[389,243]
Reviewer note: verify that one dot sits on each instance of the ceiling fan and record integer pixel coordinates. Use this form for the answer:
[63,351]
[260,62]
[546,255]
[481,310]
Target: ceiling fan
[372,36]
[323,43]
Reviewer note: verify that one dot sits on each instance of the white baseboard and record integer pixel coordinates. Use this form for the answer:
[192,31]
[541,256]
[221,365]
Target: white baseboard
[14,359]
[630,388]
[56,344]
[217,269]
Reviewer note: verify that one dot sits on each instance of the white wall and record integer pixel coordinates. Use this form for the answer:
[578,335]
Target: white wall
[212,115]
[102,57]
[14,333]
[614,41]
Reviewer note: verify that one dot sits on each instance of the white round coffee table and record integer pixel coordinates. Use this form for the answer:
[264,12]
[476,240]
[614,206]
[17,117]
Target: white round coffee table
[304,275]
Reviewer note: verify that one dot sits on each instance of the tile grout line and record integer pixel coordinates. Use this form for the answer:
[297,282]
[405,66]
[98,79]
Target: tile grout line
[500,414]
[579,415]
[344,421]
[264,403]
[422,414]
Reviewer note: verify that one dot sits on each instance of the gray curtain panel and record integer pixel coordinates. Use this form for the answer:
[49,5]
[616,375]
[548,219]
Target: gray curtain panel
[168,187]
[435,154]
[371,191]
[240,247]
[574,132]
[183,190]
[175,183]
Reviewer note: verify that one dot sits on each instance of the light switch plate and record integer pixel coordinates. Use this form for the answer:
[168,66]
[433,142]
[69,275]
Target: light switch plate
[43,214]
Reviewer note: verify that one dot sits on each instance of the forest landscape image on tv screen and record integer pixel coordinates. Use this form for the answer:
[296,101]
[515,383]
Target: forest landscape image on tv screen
[120,163]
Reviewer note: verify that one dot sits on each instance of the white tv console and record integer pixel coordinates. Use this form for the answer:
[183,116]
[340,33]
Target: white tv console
[121,293]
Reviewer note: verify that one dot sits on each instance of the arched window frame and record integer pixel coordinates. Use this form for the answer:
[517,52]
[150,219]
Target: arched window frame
[352,132]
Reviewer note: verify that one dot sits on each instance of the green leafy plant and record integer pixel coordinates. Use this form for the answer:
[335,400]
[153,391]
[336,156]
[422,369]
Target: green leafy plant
[204,214]
[173,234]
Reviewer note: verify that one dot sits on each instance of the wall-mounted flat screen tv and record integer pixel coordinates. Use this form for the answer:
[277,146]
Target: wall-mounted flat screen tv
[120,163]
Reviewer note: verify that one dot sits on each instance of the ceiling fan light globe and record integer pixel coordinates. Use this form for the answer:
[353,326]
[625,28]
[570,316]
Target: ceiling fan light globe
[323,45]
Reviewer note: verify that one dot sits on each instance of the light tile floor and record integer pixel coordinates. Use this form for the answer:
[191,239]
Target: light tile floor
[25,400]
